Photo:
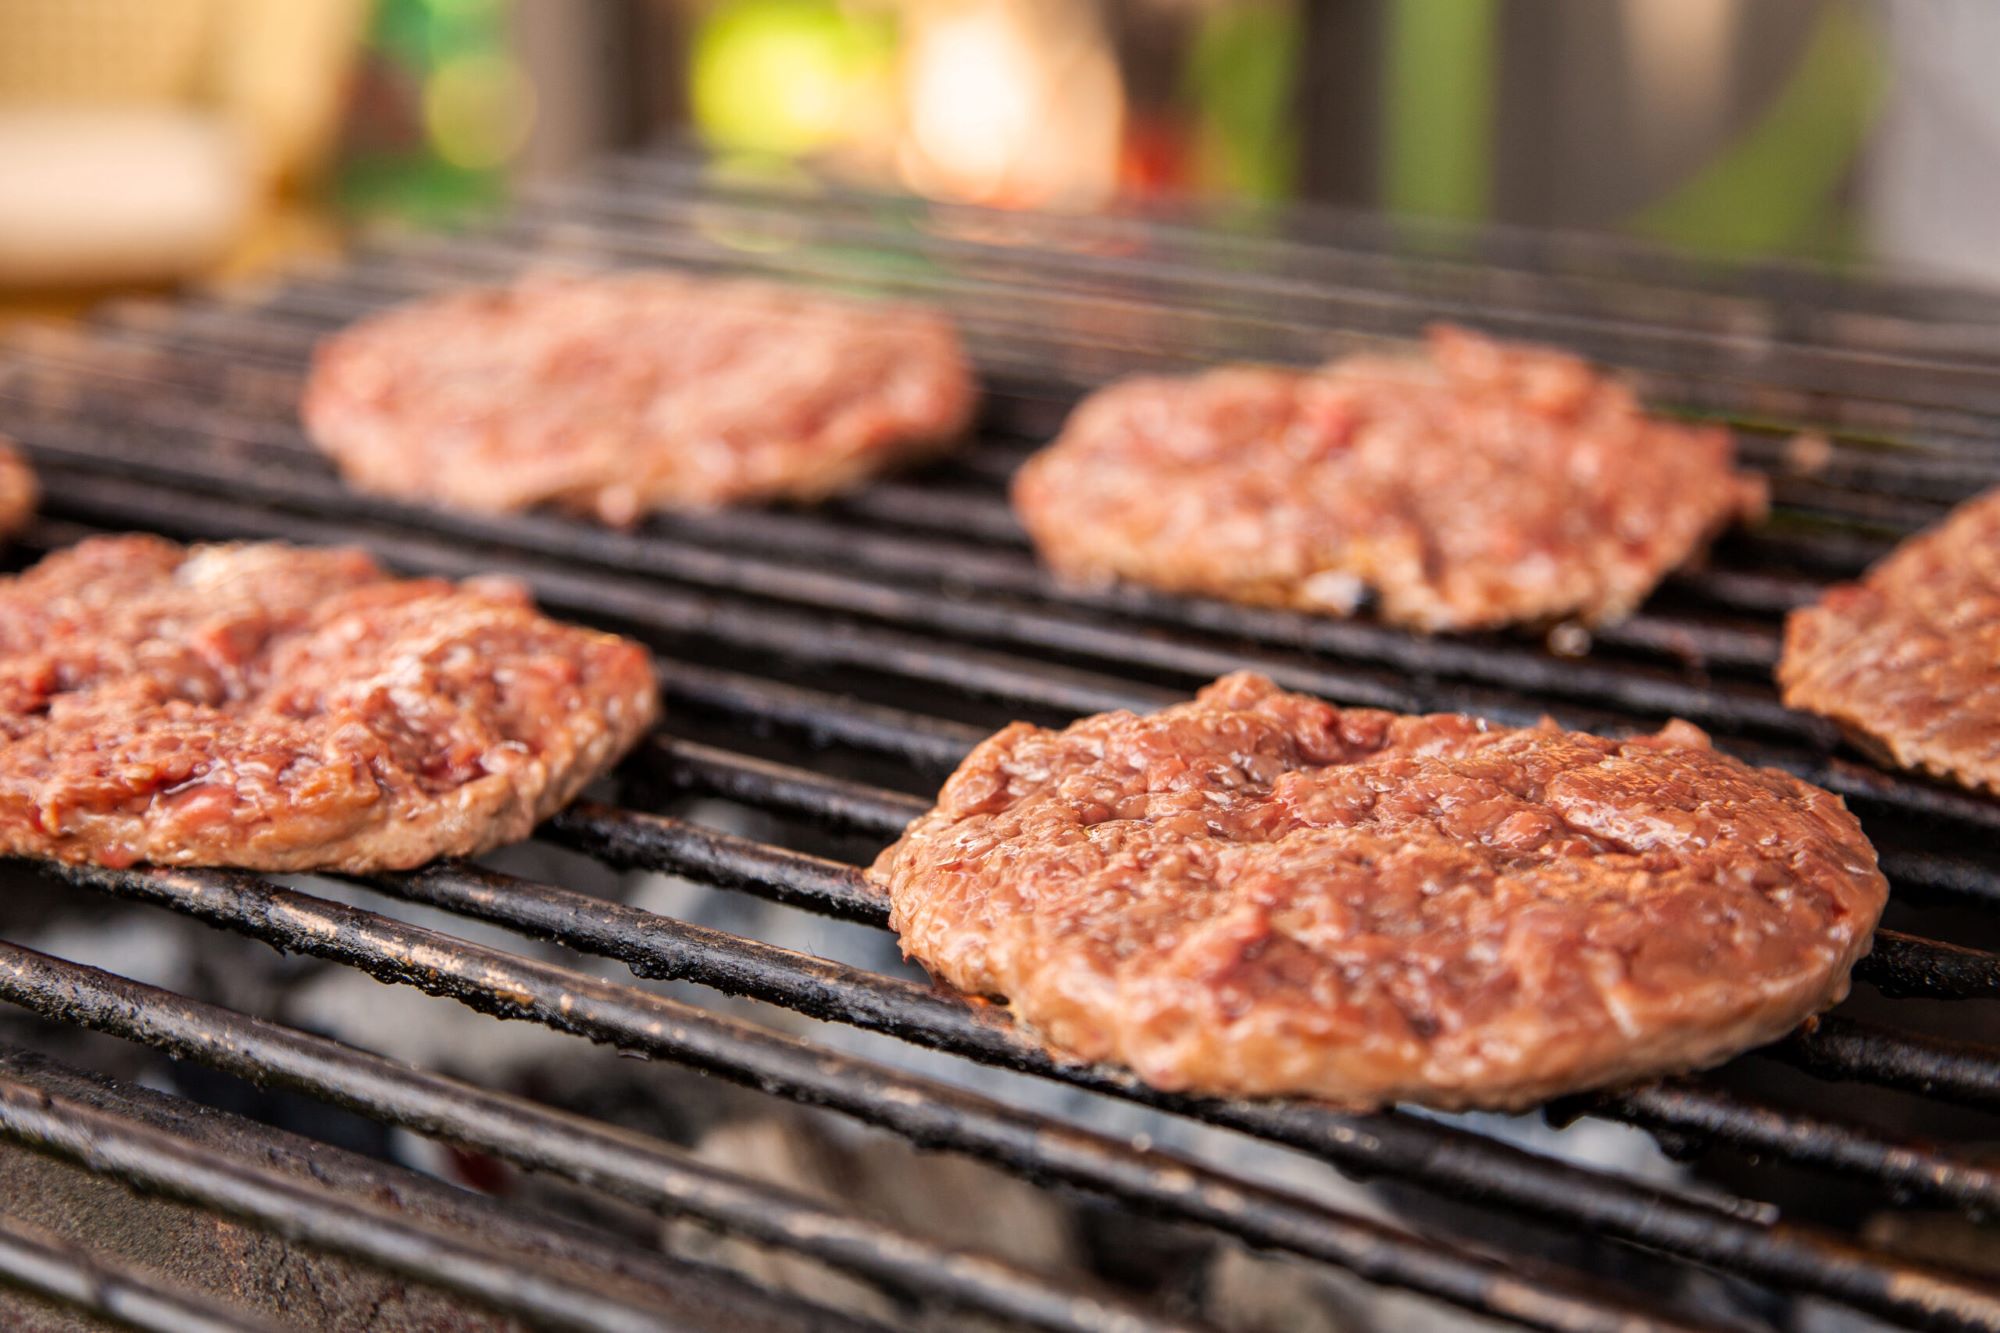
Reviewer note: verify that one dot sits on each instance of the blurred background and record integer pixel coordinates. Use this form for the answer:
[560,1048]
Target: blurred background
[147,141]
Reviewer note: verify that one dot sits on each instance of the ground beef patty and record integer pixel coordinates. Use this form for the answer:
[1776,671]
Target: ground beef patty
[1259,893]
[1475,486]
[288,709]
[621,394]
[1906,659]
[18,492]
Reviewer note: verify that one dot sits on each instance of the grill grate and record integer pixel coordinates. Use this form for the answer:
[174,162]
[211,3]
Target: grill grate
[887,633]
[42,1263]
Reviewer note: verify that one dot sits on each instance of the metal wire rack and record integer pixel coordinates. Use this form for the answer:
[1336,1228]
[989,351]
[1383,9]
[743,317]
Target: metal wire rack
[884,634]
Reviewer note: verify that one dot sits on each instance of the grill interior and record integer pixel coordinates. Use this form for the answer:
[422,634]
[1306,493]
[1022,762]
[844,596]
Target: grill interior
[823,669]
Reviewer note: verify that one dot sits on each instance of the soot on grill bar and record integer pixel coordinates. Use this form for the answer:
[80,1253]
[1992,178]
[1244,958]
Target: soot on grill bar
[952,1199]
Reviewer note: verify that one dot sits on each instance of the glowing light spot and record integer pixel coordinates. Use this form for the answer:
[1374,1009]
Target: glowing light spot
[1012,103]
[781,76]
[974,88]
[478,109]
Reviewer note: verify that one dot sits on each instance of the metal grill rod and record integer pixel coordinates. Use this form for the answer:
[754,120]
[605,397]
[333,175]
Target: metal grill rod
[1904,966]
[1523,260]
[423,257]
[1900,964]
[231,334]
[1046,685]
[1471,1168]
[42,1263]
[702,1296]
[632,1166]
[659,947]
[1761,592]
[1014,574]
[929,744]
[665,549]
[634,840]
[658,609]
[1078,247]
[99,434]
[1944,451]
[414,265]
[506,985]
[1517,1185]
[930,1114]
[648,1173]
[631,224]
[1056,688]
[1866,391]
[278,333]
[1675,366]
[1960,1072]
[142,357]
[1009,346]
[941,556]
[1138,250]
[1681,366]
[662,948]
[1909,1170]
[768,785]
[164,1163]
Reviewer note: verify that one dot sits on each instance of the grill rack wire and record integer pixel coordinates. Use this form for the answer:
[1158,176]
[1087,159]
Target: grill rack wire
[179,418]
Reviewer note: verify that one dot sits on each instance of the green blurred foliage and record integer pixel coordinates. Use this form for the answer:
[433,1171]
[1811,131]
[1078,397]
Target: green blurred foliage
[1242,79]
[430,62]
[1775,188]
[786,77]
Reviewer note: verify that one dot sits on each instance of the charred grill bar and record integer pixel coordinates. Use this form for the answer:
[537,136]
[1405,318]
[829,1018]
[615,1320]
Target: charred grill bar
[85,1281]
[887,633]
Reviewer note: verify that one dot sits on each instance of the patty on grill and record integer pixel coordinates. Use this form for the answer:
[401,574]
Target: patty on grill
[1257,893]
[291,709]
[1905,660]
[18,492]
[621,394]
[1480,484]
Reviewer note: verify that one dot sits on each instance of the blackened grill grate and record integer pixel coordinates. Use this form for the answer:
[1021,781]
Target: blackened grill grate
[891,630]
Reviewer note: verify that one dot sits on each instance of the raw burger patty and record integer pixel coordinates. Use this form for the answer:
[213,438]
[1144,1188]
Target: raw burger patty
[289,709]
[621,394]
[1258,893]
[18,492]
[1477,485]
[1908,659]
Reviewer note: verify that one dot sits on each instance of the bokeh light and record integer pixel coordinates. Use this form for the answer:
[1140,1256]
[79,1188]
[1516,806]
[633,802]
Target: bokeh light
[784,76]
[1010,102]
[478,109]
